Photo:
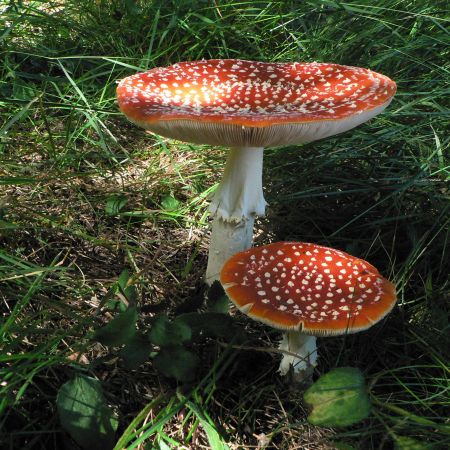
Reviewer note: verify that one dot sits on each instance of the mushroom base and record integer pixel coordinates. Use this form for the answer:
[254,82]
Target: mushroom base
[304,347]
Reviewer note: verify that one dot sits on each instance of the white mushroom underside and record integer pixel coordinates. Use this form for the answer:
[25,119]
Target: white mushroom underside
[227,134]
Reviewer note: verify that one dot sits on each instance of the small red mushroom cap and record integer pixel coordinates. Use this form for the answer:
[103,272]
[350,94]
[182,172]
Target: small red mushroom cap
[238,102]
[307,287]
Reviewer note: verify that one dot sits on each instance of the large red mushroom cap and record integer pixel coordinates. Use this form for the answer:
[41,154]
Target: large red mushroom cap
[314,289]
[236,102]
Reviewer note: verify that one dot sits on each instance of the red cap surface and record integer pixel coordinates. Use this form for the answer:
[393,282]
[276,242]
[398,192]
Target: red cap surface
[190,99]
[307,287]
[252,93]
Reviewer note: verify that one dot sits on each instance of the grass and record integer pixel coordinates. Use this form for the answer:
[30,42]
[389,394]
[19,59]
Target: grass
[67,157]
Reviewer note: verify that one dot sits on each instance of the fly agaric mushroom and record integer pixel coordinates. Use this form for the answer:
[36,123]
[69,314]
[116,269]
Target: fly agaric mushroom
[249,105]
[306,290]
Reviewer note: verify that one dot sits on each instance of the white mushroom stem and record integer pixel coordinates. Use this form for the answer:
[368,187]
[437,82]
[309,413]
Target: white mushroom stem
[238,200]
[304,346]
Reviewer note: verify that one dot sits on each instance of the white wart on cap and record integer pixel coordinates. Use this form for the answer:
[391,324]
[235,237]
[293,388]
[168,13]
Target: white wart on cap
[256,104]
[314,289]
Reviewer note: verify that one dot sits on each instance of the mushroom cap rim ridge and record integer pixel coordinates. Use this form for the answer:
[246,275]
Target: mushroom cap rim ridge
[300,327]
[153,120]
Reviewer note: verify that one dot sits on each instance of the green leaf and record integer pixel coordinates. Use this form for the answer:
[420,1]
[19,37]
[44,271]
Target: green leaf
[338,398]
[214,439]
[407,443]
[120,330]
[217,299]
[116,305]
[123,279]
[166,333]
[23,91]
[115,204]
[4,225]
[177,362]
[221,305]
[170,203]
[84,414]
[211,324]
[136,352]
[127,289]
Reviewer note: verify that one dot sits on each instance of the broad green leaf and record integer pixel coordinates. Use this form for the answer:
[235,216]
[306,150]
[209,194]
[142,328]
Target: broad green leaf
[338,398]
[84,413]
[164,332]
[208,324]
[124,276]
[177,362]
[136,352]
[170,203]
[120,330]
[217,299]
[115,204]
[23,91]
[130,293]
[222,305]
[127,289]
[116,305]
[215,291]
[408,443]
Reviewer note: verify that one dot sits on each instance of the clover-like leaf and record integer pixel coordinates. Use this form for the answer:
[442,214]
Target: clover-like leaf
[339,398]
[218,300]
[136,351]
[115,204]
[84,413]
[170,203]
[208,324]
[120,330]
[177,362]
[164,332]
